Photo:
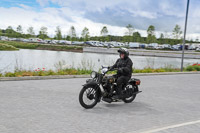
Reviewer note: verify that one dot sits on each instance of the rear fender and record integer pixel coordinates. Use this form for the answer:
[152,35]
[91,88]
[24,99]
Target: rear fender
[134,81]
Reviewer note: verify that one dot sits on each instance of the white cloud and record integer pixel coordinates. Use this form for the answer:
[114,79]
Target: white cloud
[140,13]
[43,2]
[52,17]
[25,6]
[74,13]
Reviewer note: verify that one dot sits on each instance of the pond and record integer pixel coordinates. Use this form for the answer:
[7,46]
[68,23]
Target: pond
[26,59]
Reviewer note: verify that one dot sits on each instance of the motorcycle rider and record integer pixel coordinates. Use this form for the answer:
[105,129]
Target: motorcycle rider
[124,71]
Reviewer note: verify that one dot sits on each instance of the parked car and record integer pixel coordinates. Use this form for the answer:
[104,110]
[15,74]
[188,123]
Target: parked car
[134,45]
[62,42]
[186,47]
[92,43]
[77,43]
[159,47]
[152,45]
[167,46]
[176,47]
[143,45]
[191,47]
[4,38]
[197,49]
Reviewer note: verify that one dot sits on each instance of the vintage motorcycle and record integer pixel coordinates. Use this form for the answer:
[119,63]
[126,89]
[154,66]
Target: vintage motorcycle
[102,87]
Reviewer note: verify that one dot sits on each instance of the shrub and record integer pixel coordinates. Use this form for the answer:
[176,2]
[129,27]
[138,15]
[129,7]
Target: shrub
[9,74]
[158,70]
[20,44]
[7,47]
[50,72]
[25,45]
[197,67]
[194,67]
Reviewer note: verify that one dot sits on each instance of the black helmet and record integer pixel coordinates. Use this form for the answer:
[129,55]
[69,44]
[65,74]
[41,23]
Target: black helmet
[123,51]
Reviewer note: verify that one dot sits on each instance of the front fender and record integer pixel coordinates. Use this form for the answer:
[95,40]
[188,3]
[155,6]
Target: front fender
[91,82]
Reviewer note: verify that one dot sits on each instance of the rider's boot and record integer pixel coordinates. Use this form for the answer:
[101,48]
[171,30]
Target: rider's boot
[119,94]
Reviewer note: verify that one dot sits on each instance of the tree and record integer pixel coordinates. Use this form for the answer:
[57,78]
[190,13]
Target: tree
[30,31]
[104,31]
[19,29]
[136,37]
[197,39]
[151,30]
[10,32]
[43,32]
[0,30]
[68,38]
[151,38]
[85,34]
[9,29]
[130,30]
[177,32]
[161,36]
[72,33]
[58,33]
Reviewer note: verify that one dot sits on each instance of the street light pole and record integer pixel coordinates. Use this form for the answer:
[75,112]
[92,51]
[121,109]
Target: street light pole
[183,47]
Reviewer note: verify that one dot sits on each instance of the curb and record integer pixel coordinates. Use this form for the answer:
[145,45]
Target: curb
[85,76]
[43,77]
[151,53]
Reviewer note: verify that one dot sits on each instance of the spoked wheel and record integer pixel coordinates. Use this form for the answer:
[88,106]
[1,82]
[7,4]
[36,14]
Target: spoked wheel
[88,97]
[132,97]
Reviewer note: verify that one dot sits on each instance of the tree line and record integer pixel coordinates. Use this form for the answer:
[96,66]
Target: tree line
[129,36]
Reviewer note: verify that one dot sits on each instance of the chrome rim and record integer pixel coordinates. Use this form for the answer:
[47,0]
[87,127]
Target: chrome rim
[89,96]
[130,86]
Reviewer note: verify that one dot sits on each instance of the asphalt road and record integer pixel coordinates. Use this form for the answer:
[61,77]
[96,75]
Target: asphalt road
[168,104]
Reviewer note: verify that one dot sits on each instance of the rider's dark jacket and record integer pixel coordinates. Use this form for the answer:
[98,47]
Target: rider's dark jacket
[125,65]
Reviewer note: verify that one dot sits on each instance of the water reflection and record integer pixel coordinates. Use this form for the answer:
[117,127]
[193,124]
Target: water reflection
[32,59]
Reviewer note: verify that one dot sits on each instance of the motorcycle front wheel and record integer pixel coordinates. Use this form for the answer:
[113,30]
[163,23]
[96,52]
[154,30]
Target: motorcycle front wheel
[88,97]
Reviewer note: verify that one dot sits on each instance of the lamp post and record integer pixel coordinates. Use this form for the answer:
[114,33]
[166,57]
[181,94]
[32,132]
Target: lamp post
[183,47]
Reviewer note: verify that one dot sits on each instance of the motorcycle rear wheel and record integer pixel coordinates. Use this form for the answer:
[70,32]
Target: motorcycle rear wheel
[131,98]
[89,94]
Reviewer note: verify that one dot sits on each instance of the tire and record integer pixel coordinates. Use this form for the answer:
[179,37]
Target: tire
[130,99]
[91,95]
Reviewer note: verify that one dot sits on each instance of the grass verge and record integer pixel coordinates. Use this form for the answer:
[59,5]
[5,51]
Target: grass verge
[73,71]
[5,47]
[24,45]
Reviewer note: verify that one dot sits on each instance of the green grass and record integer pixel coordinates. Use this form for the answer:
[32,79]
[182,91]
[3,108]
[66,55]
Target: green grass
[73,71]
[159,70]
[24,45]
[20,44]
[59,47]
[68,71]
[5,47]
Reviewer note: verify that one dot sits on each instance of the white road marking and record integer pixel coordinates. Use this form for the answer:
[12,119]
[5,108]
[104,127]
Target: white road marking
[172,126]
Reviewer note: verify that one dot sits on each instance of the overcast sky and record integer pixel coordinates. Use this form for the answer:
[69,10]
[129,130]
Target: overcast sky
[94,14]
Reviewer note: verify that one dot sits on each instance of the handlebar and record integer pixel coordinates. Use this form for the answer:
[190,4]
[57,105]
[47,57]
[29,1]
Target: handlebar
[109,69]
[114,69]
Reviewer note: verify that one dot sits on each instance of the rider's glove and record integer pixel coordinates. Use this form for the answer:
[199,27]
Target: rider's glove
[119,71]
[110,68]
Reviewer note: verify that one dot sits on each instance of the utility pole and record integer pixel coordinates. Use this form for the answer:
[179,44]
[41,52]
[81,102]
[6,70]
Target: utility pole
[183,46]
